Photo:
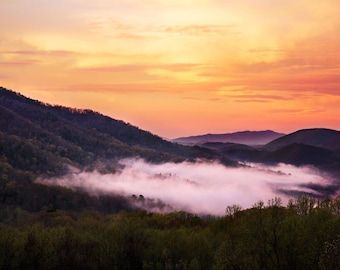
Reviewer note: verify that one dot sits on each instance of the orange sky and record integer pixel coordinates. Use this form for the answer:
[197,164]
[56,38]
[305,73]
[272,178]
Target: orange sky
[177,68]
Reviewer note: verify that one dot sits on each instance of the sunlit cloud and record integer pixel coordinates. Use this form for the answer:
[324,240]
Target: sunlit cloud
[253,56]
[176,67]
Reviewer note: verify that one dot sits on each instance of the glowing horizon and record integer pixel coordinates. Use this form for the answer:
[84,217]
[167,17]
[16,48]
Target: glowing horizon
[179,69]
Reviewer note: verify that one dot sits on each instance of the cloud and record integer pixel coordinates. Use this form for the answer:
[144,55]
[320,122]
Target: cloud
[198,29]
[176,67]
[36,52]
[18,63]
[212,99]
[252,100]
[121,88]
[257,97]
[201,187]
[286,111]
[151,47]
[121,28]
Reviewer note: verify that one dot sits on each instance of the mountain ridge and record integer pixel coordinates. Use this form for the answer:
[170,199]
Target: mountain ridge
[318,137]
[241,137]
[83,136]
[42,140]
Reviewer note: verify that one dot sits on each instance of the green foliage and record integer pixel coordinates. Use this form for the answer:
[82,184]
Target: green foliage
[264,237]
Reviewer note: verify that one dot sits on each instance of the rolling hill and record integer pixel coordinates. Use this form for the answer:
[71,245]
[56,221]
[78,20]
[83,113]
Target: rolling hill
[243,137]
[318,147]
[301,154]
[319,137]
[83,137]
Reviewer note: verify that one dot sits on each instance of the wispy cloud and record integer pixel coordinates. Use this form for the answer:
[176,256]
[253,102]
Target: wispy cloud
[257,100]
[286,111]
[18,63]
[199,29]
[176,67]
[57,53]
[265,54]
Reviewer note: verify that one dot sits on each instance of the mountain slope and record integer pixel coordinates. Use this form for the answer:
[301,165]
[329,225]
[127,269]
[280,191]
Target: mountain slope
[301,154]
[219,146]
[80,138]
[319,137]
[243,137]
[38,139]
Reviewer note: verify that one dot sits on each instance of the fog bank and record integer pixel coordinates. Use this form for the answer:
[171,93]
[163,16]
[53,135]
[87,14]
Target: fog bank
[202,187]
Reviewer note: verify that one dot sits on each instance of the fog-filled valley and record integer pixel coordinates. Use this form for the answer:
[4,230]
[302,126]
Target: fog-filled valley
[202,187]
[99,156]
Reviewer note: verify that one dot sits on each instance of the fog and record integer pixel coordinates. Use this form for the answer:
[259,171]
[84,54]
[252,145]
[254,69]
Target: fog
[201,187]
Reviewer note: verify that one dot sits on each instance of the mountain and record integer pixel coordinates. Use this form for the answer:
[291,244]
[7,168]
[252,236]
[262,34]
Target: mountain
[318,147]
[243,137]
[319,137]
[82,137]
[38,139]
[302,154]
[225,146]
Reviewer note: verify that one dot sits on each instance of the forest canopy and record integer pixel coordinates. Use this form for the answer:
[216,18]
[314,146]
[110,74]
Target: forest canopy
[302,235]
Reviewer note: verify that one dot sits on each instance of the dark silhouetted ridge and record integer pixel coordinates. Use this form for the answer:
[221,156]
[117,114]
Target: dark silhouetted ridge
[301,154]
[319,137]
[80,138]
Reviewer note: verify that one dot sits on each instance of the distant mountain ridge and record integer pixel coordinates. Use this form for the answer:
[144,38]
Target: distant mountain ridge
[242,137]
[295,153]
[319,147]
[318,137]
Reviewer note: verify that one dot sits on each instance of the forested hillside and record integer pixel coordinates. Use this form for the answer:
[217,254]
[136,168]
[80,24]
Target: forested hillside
[303,235]
[84,136]
[317,147]
[318,137]
[38,139]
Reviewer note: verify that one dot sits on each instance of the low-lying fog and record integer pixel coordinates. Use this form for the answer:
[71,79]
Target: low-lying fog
[202,187]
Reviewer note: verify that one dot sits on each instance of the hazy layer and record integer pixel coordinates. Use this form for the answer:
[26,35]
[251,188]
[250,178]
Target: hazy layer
[198,187]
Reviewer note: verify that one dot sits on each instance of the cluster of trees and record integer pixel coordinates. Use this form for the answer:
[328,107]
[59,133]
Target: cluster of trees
[303,235]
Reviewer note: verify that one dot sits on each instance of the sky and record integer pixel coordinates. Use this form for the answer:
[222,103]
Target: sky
[179,68]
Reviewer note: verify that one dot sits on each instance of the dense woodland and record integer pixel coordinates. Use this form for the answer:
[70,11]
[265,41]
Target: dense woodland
[303,235]
[80,138]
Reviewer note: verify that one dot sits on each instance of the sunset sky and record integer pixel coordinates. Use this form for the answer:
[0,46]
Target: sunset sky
[179,68]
